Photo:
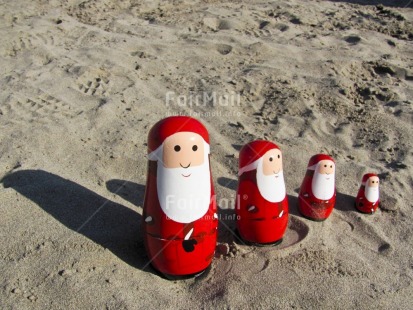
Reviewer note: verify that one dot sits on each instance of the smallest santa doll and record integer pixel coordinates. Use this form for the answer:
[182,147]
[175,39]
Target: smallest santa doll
[367,200]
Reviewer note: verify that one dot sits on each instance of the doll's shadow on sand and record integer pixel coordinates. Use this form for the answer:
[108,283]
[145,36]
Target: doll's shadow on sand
[345,203]
[130,191]
[226,212]
[105,222]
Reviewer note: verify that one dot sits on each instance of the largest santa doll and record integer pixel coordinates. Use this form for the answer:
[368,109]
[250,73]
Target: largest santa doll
[179,212]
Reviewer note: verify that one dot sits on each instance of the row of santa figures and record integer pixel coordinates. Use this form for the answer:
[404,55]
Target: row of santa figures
[180,216]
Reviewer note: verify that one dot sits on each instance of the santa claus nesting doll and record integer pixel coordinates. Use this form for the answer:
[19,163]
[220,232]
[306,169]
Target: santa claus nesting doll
[179,212]
[367,200]
[261,202]
[317,195]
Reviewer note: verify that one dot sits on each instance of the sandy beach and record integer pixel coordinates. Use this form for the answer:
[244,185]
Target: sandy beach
[82,83]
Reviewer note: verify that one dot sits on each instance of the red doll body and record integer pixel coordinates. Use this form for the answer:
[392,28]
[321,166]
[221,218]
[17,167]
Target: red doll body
[179,213]
[367,200]
[261,204]
[317,195]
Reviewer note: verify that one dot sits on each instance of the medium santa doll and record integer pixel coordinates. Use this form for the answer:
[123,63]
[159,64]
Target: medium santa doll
[317,195]
[179,212]
[261,203]
[367,200]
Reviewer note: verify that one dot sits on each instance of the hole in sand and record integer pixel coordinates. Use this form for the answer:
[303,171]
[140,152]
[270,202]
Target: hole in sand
[296,232]
[352,39]
[224,49]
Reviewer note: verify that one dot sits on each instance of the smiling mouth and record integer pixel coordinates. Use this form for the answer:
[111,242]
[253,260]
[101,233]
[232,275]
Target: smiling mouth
[184,166]
[276,174]
[186,176]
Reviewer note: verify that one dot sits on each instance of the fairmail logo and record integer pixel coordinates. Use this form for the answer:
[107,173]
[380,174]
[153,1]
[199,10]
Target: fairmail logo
[203,99]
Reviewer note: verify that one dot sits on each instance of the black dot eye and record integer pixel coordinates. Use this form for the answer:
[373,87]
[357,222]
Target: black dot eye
[331,166]
[177,148]
[271,159]
[279,156]
[195,148]
[325,166]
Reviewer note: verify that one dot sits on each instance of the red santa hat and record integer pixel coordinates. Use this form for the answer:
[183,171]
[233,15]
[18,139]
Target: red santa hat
[314,160]
[253,151]
[366,177]
[171,125]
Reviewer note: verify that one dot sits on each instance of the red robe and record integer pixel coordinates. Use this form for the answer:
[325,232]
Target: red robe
[309,205]
[164,238]
[362,204]
[262,224]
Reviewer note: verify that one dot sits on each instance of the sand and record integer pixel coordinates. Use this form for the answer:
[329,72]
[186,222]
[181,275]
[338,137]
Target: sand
[82,82]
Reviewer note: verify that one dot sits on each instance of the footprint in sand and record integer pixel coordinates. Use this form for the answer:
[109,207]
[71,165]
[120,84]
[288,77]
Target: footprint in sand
[94,83]
[25,41]
[21,43]
[262,33]
[92,12]
[39,108]
[217,24]
[282,27]
[46,38]
[352,39]
[224,49]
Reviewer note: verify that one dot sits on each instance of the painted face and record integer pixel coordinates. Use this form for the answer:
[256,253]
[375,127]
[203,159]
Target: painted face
[323,183]
[270,178]
[183,150]
[373,182]
[272,162]
[183,177]
[326,167]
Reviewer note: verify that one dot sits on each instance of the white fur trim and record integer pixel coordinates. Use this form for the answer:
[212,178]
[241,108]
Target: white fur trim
[251,166]
[157,154]
[313,167]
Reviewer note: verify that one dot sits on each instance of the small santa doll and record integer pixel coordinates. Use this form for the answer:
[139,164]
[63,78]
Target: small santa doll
[317,195]
[179,212]
[261,202]
[367,200]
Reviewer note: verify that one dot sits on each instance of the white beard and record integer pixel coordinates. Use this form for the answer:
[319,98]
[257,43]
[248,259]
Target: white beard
[371,193]
[322,188]
[272,188]
[184,199]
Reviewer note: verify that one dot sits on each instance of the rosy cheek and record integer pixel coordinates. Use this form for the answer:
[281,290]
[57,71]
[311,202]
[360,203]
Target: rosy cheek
[199,159]
[175,161]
